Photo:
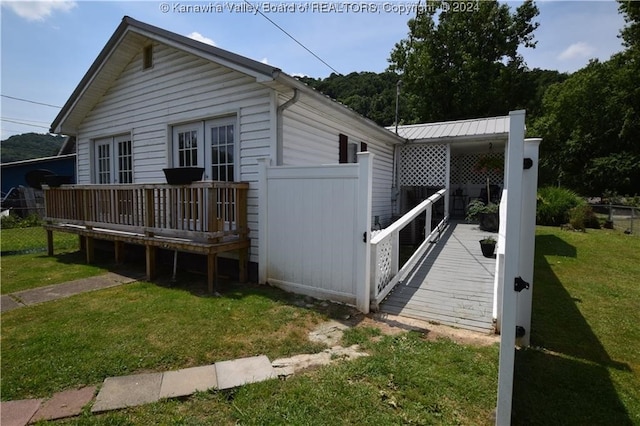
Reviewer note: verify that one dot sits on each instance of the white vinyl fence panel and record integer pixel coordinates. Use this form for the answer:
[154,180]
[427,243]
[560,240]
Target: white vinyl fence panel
[314,221]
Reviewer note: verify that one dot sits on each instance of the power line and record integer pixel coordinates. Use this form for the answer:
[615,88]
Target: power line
[293,38]
[26,120]
[8,120]
[30,101]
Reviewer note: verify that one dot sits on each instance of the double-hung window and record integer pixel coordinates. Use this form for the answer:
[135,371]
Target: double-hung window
[113,160]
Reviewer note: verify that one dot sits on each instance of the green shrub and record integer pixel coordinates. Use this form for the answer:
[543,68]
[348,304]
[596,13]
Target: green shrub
[554,204]
[14,221]
[582,216]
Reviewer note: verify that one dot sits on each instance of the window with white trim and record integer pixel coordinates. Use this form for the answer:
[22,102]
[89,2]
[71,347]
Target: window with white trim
[113,160]
[210,144]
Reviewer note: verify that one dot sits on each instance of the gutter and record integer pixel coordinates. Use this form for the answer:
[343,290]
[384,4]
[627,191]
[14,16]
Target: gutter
[280,124]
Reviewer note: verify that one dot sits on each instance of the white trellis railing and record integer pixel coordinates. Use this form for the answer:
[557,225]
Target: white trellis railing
[385,249]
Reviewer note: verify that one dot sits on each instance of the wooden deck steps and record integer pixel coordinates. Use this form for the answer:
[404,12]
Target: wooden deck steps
[453,285]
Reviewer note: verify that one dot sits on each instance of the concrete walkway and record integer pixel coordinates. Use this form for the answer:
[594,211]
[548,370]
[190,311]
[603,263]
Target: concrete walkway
[128,391]
[9,302]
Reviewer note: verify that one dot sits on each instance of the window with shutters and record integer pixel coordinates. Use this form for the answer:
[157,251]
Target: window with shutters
[348,149]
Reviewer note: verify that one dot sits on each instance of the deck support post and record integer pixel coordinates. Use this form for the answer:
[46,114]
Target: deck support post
[151,262]
[119,250]
[211,271]
[243,255]
[49,242]
[89,249]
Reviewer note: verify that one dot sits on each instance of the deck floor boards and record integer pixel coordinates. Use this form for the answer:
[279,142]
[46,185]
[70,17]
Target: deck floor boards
[453,285]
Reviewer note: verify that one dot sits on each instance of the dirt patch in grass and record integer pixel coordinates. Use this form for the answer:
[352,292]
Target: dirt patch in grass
[392,325]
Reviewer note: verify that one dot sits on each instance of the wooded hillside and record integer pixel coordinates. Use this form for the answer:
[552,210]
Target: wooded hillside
[29,145]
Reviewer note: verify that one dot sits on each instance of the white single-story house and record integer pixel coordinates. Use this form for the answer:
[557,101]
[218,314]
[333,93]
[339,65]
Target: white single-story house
[310,194]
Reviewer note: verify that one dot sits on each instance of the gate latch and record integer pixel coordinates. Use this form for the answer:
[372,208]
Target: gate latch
[520,284]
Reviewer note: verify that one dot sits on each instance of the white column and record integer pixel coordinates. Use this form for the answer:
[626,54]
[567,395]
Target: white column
[363,232]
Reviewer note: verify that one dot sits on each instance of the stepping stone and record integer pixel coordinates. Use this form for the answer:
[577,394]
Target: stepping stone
[244,370]
[188,381]
[18,413]
[8,304]
[128,391]
[65,404]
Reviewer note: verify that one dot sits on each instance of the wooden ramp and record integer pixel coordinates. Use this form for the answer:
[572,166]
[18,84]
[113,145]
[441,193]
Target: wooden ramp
[452,284]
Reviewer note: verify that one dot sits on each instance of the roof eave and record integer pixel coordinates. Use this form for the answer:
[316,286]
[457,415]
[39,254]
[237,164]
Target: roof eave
[294,83]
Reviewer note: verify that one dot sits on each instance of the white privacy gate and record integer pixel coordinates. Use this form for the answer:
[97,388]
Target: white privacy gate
[514,265]
[315,224]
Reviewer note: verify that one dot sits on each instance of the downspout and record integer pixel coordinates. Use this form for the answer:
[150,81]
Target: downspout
[280,125]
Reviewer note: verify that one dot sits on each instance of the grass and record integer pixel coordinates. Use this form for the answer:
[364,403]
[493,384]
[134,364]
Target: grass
[584,367]
[26,265]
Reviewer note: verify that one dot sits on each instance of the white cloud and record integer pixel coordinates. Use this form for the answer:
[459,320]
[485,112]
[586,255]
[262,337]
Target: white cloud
[265,61]
[199,37]
[39,10]
[578,50]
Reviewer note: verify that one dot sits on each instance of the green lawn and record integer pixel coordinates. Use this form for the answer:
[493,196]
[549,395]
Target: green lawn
[25,263]
[585,364]
[583,368]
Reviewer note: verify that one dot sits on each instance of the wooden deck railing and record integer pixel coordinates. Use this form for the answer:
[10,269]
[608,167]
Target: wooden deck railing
[202,211]
[385,248]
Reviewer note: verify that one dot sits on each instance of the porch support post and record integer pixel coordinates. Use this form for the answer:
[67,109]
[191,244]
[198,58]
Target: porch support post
[447,185]
[363,231]
[151,262]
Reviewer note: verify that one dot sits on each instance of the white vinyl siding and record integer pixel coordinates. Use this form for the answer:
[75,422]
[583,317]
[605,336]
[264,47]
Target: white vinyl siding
[181,88]
[313,139]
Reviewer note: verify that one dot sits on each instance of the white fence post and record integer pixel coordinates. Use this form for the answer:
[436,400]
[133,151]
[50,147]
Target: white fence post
[528,236]
[363,231]
[263,219]
[513,186]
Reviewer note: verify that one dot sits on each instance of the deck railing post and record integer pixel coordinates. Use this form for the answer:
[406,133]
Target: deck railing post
[148,208]
[395,253]
[428,213]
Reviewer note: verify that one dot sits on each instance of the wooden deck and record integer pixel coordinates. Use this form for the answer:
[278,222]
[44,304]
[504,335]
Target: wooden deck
[452,285]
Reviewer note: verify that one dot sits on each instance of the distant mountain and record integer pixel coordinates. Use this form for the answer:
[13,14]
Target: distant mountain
[29,145]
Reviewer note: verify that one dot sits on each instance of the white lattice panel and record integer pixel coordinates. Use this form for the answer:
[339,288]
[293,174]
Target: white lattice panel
[383,264]
[463,170]
[423,165]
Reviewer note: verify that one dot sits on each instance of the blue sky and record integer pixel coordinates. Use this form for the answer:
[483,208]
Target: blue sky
[47,46]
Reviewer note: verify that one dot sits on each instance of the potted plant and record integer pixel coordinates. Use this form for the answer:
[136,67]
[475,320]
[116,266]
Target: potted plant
[487,215]
[488,246]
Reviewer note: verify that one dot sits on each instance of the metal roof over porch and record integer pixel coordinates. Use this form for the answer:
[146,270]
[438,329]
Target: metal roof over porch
[479,128]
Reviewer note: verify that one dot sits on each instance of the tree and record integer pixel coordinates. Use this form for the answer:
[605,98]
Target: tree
[467,64]
[371,95]
[591,122]
[590,129]
[29,145]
